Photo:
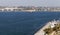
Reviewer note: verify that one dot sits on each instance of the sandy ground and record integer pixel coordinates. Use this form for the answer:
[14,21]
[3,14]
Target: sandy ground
[41,32]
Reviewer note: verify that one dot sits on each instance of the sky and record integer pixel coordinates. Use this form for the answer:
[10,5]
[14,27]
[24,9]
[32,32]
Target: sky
[30,3]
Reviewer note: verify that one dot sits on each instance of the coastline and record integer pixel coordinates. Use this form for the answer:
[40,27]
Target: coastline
[41,32]
[29,8]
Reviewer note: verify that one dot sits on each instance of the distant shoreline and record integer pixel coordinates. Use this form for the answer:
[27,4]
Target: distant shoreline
[29,9]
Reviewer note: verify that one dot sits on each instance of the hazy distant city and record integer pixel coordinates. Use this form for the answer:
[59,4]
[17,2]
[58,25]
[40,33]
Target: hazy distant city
[28,8]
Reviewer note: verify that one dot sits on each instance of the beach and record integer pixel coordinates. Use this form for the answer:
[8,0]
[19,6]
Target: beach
[41,32]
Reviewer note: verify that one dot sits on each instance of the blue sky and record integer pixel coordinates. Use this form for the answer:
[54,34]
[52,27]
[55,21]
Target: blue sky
[29,2]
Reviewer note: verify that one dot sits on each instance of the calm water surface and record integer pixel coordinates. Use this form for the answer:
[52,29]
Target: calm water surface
[24,23]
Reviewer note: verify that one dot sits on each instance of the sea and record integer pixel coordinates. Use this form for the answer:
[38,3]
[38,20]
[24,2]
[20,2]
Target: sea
[25,23]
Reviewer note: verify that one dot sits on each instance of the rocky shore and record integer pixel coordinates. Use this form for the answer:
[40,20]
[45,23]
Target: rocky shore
[51,28]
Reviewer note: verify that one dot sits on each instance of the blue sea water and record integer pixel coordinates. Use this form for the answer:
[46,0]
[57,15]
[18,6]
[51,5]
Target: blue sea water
[24,23]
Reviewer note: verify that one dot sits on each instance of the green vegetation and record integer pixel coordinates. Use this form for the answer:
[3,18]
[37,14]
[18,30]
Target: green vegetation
[49,31]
